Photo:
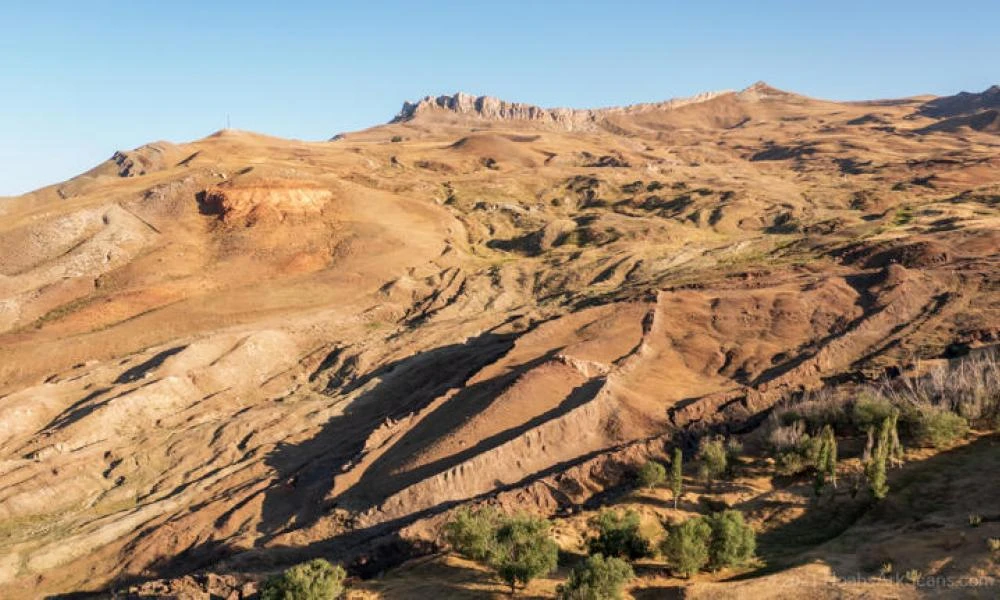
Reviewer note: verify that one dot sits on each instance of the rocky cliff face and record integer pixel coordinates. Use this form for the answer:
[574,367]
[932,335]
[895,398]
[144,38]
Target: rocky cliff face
[494,109]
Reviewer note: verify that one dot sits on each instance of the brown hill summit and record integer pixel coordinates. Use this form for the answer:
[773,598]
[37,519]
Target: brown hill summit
[245,351]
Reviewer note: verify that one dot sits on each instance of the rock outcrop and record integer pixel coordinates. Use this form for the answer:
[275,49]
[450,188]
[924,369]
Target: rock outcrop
[494,109]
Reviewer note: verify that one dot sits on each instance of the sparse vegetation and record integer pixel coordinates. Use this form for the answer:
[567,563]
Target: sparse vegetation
[975,520]
[619,535]
[314,580]
[597,578]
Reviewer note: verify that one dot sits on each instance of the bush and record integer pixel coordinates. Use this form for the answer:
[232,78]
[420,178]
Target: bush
[938,427]
[396,139]
[618,535]
[314,580]
[652,474]
[523,550]
[686,546]
[472,533]
[598,578]
[795,451]
[733,540]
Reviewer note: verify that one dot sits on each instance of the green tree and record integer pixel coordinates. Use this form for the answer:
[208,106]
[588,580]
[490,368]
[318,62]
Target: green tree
[597,578]
[472,533]
[677,475]
[825,460]
[618,535]
[712,459]
[830,463]
[875,468]
[895,448]
[523,550]
[651,474]
[314,580]
[686,546]
[733,540]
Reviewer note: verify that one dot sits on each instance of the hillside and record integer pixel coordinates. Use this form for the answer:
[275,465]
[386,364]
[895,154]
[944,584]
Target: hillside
[238,353]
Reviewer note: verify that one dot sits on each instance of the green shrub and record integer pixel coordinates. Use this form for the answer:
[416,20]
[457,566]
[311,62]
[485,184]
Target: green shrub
[396,139]
[523,550]
[733,539]
[651,474]
[598,578]
[314,580]
[939,428]
[472,533]
[618,535]
[790,462]
[686,546]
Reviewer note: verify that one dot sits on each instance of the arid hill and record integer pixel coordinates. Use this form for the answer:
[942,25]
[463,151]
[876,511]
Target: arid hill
[241,352]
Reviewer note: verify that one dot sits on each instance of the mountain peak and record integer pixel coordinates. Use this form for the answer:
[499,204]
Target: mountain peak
[762,89]
[963,103]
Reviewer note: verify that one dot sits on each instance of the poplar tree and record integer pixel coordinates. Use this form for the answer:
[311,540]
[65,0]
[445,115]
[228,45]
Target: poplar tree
[875,469]
[677,475]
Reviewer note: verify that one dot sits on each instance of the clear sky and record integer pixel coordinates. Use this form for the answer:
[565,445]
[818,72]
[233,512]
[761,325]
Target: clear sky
[80,79]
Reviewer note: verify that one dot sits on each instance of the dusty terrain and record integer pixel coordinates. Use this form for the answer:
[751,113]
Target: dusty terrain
[241,352]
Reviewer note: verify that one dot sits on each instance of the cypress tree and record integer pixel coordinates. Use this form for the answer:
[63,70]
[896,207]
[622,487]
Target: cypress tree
[822,452]
[875,469]
[830,465]
[677,475]
[896,449]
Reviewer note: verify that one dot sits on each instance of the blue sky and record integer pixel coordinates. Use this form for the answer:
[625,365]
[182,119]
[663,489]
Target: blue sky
[79,80]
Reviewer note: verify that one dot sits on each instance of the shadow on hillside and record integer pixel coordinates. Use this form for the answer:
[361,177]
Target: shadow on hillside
[923,495]
[382,479]
[658,593]
[305,471]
